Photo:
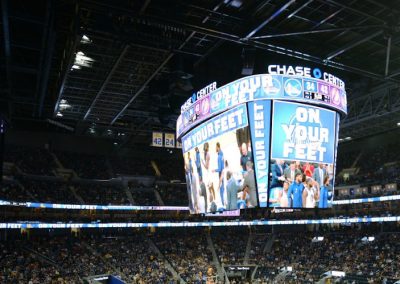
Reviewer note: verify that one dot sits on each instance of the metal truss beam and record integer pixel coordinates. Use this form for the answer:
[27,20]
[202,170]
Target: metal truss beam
[389,46]
[48,42]
[356,11]
[273,16]
[106,80]
[299,9]
[69,53]
[318,31]
[142,88]
[272,48]
[352,45]
[380,102]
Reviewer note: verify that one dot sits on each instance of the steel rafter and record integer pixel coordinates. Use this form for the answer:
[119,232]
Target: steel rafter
[106,81]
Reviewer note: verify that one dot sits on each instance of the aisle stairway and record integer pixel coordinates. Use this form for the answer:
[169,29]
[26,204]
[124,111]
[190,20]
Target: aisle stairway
[248,249]
[216,263]
[168,265]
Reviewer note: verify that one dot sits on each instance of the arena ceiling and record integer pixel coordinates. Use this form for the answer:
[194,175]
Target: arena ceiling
[120,69]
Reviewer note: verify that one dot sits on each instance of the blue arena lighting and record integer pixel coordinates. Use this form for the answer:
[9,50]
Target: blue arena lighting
[38,225]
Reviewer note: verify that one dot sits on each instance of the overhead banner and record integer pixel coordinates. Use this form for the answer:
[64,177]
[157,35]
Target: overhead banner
[157,139]
[228,121]
[303,133]
[259,117]
[169,140]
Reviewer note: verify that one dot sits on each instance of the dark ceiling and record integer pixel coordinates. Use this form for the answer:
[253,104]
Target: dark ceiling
[110,67]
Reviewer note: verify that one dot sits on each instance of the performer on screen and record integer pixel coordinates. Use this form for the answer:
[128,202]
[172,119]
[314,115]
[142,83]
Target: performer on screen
[249,184]
[206,164]
[232,189]
[188,176]
[283,195]
[295,192]
[310,193]
[277,174]
[324,195]
[219,170]
[320,174]
[245,157]
[203,194]
[197,162]
[308,169]
[291,172]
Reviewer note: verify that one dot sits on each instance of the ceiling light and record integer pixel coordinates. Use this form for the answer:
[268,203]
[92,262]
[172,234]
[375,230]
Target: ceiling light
[85,39]
[64,105]
[82,60]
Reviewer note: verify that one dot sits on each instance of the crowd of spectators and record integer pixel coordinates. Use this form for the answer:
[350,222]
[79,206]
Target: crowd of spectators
[144,196]
[48,191]
[230,250]
[62,259]
[363,262]
[85,166]
[12,191]
[173,194]
[378,165]
[36,161]
[188,253]
[102,194]
[19,265]
[70,260]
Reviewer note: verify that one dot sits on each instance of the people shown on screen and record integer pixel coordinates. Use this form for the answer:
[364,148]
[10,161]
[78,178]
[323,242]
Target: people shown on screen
[232,189]
[295,192]
[197,162]
[308,169]
[291,172]
[245,157]
[249,184]
[277,171]
[219,170]
[283,195]
[310,193]
[188,177]
[319,174]
[324,194]
[203,195]
[206,161]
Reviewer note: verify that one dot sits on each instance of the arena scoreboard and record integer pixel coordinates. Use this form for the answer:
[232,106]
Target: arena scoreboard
[266,140]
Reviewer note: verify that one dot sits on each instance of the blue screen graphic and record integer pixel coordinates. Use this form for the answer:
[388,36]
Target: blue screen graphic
[303,133]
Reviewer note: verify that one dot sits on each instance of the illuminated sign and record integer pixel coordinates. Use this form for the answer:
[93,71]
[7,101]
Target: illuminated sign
[199,95]
[37,225]
[303,132]
[307,72]
[305,89]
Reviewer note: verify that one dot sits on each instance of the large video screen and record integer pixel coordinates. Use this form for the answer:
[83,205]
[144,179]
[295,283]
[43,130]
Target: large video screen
[303,149]
[219,166]
[287,132]
[262,154]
